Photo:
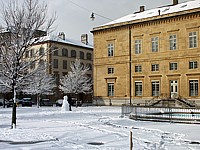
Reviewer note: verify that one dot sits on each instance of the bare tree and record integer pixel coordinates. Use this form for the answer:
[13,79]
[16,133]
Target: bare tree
[76,81]
[23,25]
[40,83]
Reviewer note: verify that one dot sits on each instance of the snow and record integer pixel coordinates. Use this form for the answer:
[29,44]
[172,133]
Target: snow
[90,128]
[65,105]
[55,38]
[155,12]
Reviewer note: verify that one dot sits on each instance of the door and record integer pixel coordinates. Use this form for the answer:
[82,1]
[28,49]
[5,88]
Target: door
[174,88]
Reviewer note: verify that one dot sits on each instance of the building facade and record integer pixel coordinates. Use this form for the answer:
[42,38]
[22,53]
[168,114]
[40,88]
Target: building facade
[60,52]
[147,54]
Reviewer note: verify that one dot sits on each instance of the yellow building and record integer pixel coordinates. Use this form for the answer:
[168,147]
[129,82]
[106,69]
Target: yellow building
[147,54]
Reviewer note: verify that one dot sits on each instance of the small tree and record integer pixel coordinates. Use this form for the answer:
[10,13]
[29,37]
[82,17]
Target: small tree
[76,81]
[41,83]
[22,25]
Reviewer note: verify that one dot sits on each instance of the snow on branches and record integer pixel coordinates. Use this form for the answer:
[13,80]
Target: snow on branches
[76,81]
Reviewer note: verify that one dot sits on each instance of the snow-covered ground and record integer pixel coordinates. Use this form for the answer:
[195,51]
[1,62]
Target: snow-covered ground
[90,128]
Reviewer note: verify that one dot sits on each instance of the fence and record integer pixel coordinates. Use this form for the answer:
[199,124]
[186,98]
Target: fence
[168,114]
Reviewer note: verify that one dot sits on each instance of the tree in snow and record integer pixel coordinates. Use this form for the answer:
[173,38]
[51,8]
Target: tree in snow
[76,81]
[22,27]
[41,83]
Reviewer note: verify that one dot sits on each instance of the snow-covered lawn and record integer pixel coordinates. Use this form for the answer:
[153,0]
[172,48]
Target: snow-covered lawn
[90,128]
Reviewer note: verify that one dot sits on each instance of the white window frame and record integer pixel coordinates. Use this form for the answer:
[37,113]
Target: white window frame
[173,42]
[110,70]
[155,67]
[138,46]
[193,65]
[155,88]
[138,68]
[111,89]
[154,44]
[193,87]
[110,49]
[193,39]
[138,88]
[173,66]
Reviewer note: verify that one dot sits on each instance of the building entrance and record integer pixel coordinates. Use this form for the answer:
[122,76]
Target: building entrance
[174,88]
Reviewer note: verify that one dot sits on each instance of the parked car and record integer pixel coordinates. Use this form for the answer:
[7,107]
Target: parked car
[9,103]
[25,102]
[76,102]
[59,102]
[46,102]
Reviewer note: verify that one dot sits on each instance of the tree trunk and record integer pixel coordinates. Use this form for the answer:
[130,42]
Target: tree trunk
[13,125]
[38,100]
[4,101]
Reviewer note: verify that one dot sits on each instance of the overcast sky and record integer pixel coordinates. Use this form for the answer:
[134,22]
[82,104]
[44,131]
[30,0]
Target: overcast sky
[73,16]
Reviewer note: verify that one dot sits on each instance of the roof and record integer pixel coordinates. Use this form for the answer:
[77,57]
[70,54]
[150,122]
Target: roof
[54,38]
[155,12]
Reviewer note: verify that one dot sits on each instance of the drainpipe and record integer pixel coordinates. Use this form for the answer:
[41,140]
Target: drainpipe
[130,72]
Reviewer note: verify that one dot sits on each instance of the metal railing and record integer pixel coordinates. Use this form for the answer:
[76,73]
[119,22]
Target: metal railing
[168,114]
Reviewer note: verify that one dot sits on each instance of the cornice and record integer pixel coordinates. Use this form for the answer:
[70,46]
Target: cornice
[156,20]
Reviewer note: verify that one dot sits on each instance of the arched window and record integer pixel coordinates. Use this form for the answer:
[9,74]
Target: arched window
[64,52]
[55,51]
[41,51]
[89,56]
[73,53]
[81,55]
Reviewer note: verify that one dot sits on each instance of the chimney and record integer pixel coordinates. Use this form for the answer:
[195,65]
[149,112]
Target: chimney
[84,39]
[175,2]
[61,35]
[142,8]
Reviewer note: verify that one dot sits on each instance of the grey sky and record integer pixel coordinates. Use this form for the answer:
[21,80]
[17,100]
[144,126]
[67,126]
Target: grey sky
[74,20]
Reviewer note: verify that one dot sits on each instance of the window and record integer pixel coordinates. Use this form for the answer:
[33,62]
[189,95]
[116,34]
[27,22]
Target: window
[154,44]
[155,67]
[138,88]
[110,49]
[193,87]
[27,54]
[110,89]
[172,42]
[155,88]
[64,73]
[41,51]
[138,48]
[31,52]
[90,66]
[89,56]
[73,53]
[110,70]
[193,65]
[55,51]
[192,39]
[55,63]
[64,64]
[173,66]
[138,68]
[57,77]
[81,55]
[64,52]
